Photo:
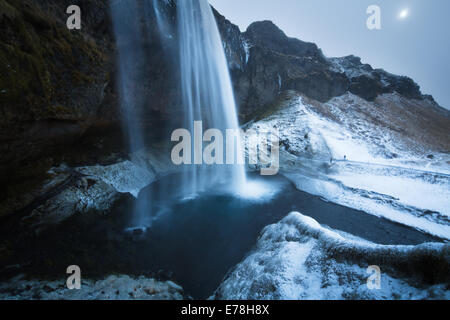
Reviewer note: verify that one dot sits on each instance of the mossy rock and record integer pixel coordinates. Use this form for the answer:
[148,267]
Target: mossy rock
[272,108]
[40,61]
[7,11]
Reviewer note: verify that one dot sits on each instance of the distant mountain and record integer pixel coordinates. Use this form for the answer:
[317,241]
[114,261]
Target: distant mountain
[265,62]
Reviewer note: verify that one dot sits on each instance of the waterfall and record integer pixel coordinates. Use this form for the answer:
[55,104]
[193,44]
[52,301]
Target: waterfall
[161,20]
[129,51]
[206,88]
[207,92]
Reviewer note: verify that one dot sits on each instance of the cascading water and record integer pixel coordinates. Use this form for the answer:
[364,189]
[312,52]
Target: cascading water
[161,20]
[207,92]
[129,51]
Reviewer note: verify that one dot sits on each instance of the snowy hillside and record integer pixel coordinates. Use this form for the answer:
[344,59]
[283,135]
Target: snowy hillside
[349,152]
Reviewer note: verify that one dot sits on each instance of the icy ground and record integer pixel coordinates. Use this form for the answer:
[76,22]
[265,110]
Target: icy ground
[120,287]
[298,259]
[337,151]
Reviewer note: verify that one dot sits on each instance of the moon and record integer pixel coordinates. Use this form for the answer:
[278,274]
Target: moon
[403,14]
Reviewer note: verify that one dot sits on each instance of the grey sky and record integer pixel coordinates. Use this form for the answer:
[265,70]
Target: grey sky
[417,46]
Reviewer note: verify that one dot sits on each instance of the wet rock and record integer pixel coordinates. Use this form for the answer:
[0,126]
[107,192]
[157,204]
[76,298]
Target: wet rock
[97,188]
[73,200]
[55,81]
[123,176]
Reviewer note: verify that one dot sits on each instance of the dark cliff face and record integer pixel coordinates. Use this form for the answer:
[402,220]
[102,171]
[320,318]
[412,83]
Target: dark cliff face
[233,42]
[58,87]
[274,63]
[55,84]
[267,35]
[368,83]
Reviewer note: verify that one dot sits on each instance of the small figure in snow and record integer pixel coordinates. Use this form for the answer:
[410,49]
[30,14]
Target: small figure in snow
[345,158]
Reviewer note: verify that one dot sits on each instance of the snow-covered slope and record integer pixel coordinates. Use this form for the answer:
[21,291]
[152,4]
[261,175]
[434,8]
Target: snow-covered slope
[298,259]
[380,157]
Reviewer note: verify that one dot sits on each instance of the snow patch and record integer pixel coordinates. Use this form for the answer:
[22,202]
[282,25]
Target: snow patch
[124,176]
[120,287]
[298,259]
